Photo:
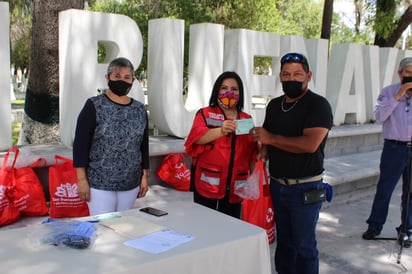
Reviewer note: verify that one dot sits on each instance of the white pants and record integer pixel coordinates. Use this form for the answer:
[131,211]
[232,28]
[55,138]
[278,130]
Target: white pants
[103,201]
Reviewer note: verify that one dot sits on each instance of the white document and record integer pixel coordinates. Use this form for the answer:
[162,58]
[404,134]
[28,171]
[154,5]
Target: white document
[159,241]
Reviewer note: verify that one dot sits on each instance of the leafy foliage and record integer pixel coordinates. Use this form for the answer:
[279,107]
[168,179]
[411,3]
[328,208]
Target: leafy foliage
[300,17]
[21,52]
[283,17]
[20,28]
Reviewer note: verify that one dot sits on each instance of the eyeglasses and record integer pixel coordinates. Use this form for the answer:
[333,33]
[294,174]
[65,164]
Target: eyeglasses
[407,104]
[295,57]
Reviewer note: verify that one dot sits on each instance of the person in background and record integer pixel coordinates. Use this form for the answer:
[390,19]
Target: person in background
[293,138]
[111,145]
[221,159]
[392,109]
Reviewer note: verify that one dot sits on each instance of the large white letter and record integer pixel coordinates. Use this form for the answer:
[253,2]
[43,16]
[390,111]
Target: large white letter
[165,77]
[205,62]
[316,51]
[5,104]
[345,87]
[80,73]
[372,78]
[389,60]
[241,46]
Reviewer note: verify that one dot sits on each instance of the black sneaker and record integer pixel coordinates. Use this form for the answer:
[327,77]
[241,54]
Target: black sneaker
[370,234]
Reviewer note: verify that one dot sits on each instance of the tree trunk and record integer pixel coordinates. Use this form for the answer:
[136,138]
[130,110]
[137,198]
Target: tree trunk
[41,118]
[359,11]
[327,19]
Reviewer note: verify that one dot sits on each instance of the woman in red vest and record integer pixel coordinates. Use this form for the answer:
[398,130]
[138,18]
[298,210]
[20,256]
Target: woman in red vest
[221,159]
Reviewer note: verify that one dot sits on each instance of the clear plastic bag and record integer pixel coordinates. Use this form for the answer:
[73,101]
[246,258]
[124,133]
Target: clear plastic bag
[249,189]
[74,234]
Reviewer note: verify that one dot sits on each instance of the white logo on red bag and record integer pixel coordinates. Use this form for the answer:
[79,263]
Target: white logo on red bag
[2,189]
[66,190]
[270,215]
[182,175]
[6,195]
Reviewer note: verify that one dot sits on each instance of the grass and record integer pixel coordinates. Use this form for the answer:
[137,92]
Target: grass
[18,102]
[16,126]
[15,130]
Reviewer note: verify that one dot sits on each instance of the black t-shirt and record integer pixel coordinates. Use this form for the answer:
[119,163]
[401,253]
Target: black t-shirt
[312,110]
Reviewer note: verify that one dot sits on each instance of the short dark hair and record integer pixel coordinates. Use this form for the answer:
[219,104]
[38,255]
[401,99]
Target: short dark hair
[120,62]
[216,87]
[294,57]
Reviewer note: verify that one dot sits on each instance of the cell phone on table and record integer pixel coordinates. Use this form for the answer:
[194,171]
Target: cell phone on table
[153,211]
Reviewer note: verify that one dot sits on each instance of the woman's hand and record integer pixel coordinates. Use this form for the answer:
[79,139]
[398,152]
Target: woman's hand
[228,127]
[83,189]
[144,187]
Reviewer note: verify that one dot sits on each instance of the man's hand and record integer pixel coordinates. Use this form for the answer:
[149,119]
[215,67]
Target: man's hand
[261,135]
[402,90]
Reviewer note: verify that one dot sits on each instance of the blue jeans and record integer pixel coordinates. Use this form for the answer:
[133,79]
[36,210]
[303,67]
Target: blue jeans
[394,163]
[296,249]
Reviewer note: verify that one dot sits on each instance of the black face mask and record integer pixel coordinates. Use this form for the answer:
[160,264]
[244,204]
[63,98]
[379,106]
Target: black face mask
[406,80]
[120,88]
[292,89]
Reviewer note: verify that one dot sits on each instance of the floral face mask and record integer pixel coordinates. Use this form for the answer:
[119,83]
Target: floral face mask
[228,99]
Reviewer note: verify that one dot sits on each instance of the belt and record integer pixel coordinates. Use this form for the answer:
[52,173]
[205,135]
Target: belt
[287,181]
[401,143]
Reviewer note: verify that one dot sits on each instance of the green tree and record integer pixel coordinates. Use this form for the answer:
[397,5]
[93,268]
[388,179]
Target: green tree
[20,27]
[389,24]
[20,54]
[300,17]
[283,17]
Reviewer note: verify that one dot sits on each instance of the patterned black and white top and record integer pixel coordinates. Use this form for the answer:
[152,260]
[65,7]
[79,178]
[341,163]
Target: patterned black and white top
[112,143]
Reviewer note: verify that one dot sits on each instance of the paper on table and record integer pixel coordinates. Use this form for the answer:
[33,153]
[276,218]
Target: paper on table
[243,126]
[160,241]
[131,227]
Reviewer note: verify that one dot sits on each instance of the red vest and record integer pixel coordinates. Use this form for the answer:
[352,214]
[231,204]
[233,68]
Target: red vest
[224,164]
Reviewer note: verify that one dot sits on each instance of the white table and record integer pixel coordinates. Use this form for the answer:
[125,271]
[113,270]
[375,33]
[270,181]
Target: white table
[222,245]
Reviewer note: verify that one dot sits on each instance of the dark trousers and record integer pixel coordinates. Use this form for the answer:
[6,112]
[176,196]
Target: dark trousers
[296,249]
[221,205]
[394,163]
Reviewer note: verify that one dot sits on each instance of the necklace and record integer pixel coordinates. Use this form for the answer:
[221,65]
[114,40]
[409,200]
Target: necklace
[289,109]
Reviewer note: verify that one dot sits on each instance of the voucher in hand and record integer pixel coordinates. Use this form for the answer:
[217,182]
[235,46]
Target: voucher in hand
[244,126]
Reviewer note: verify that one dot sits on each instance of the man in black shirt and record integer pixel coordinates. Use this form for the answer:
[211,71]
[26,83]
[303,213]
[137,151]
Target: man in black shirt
[293,136]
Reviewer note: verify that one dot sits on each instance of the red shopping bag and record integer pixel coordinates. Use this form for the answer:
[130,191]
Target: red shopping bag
[64,199]
[174,171]
[261,212]
[30,198]
[8,211]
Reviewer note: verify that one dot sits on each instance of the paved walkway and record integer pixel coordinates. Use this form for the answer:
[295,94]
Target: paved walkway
[342,249]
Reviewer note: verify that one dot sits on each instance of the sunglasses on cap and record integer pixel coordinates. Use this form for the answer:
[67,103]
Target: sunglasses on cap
[295,58]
